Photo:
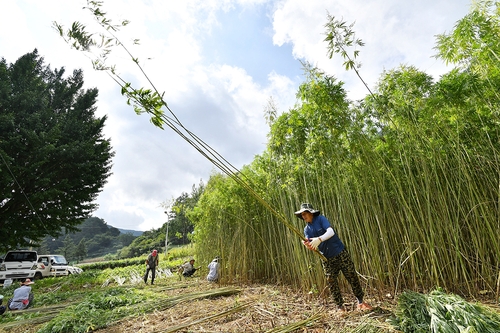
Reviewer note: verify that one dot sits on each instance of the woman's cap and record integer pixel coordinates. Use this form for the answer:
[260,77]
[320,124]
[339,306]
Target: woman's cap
[306,207]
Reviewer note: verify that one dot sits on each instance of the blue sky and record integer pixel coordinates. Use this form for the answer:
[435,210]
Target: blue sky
[243,38]
[219,62]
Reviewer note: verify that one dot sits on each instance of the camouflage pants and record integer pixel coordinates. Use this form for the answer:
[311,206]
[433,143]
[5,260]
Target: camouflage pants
[332,267]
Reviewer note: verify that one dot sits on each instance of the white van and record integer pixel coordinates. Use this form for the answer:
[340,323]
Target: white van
[51,265]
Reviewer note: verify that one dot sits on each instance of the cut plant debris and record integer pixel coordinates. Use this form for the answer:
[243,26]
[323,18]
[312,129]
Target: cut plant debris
[439,312]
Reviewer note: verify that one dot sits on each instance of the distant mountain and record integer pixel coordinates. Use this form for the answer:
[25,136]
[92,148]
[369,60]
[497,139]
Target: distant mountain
[99,239]
[133,232]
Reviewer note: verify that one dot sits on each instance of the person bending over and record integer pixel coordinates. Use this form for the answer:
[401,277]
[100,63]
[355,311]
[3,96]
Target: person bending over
[23,297]
[188,268]
[214,270]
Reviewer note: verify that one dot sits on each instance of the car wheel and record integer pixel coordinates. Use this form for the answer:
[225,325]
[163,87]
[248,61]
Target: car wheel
[38,276]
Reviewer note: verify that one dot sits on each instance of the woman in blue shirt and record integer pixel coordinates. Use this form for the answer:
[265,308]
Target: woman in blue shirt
[321,237]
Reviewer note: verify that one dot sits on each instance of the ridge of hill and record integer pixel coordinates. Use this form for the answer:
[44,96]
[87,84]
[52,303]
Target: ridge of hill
[129,231]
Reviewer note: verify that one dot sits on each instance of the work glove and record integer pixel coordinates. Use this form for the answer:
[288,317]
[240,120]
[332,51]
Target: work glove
[147,265]
[314,242]
[307,244]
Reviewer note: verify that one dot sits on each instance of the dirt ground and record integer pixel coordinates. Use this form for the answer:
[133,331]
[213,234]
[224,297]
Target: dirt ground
[262,308]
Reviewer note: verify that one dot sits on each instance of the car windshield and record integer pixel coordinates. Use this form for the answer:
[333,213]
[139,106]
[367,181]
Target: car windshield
[60,260]
[21,256]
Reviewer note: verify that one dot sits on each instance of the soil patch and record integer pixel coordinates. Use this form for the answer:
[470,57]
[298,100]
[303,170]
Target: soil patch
[257,308]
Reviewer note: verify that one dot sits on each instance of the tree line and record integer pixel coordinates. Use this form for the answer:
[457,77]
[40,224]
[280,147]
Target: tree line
[95,238]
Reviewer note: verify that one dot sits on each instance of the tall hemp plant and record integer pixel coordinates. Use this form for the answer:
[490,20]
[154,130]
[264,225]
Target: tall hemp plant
[474,48]
[410,173]
[432,165]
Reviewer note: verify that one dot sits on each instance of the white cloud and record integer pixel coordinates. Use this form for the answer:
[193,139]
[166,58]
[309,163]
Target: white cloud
[395,33]
[219,101]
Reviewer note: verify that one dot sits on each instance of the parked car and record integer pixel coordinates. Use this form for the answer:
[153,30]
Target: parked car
[51,265]
[19,264]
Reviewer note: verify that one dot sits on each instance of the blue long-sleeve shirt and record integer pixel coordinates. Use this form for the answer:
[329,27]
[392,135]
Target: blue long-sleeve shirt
[330,247]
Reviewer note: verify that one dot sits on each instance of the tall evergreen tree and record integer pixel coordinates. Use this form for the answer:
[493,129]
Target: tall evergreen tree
[54,159]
